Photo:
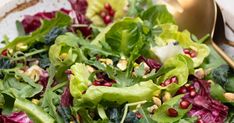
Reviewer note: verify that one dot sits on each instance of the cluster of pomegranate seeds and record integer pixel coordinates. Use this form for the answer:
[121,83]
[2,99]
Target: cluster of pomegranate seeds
[4,52]
[187,89]
[103,80]
[172,112]
[190,52]
[169,81]
[107,14]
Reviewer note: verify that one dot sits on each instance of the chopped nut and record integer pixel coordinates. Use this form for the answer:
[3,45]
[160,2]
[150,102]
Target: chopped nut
[157,101]
[106,61]
[152,108]
[34,72]
[122,64]
[166,97]
[35,101]
[21,47]
[199,73]
[146,67]
[63,56]
[229,96]
[90,69]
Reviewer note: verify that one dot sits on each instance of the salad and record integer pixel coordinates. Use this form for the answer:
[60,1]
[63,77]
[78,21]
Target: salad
[109,61]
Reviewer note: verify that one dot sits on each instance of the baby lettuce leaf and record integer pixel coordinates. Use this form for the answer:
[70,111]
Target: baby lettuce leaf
[157,14]
[171,33]
[182,67]
[61,20]
[79,80]
[124,35]
[24,88]
[65,51]
[161,113]
[137,92]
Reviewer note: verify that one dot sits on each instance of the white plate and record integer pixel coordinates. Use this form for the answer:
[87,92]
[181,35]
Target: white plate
[7,24]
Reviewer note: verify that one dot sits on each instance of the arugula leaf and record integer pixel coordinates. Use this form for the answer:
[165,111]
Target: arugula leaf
[157,14]
[161,113]
[37,36]
[49,102]
[25,88]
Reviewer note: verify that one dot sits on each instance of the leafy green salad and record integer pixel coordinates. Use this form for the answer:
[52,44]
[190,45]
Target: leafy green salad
[112,61]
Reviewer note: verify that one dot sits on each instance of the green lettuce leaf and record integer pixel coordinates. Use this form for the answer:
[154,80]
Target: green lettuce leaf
[170,34]
[124,35]
[65,51]
[161,113]
[182,66]
[137,92]
[79,80]
[157,14]
[61,20]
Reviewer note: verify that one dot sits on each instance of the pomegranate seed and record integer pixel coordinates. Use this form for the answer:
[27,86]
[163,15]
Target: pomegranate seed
[103,14]
[4,52]
[186,51]
[191,88]
[193,54]
[96,83]
[200,121]
[107,84]
[184,104]
[107,19]
[167,82]
[107,6]
[162,84]
[138,115]
[174,79]
[68,72]
[192,93]
[182,90]
[112,13]
[172,112]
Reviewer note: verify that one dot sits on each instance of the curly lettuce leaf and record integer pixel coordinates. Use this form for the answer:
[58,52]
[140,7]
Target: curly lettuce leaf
[137,92]
[161,113]
[65,51]
[171,33]
[61,20]
[79,80]
[96,6]
[182,67]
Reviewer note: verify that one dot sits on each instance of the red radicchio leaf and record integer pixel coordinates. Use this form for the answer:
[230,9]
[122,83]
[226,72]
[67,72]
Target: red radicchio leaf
[16,117]
[103,80]
[153,64]
[204,106]
[31,23]
[66,98]
[79,7]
